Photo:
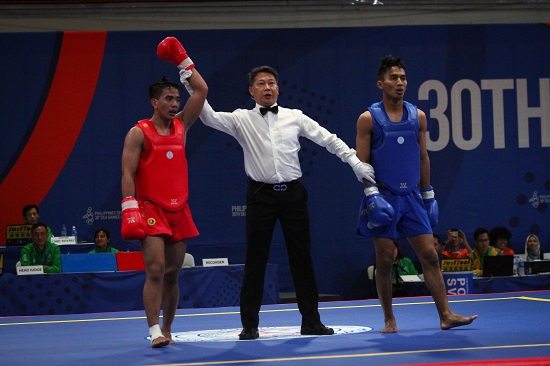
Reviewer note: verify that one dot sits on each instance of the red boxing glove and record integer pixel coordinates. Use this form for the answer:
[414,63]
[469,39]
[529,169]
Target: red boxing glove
[171,50]
[132,227]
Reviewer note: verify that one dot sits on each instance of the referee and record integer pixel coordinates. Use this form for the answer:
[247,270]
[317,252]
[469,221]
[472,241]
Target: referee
[269,136]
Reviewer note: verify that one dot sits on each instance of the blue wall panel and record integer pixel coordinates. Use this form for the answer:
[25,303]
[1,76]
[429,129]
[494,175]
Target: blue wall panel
[476,84]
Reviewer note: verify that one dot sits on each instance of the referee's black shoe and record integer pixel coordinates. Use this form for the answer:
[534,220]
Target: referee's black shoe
[248,333]
[317,329]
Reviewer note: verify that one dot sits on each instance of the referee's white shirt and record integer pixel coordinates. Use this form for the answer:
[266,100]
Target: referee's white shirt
[271,142]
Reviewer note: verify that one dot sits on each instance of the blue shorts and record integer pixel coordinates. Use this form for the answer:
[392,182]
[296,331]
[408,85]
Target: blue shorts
[410,219]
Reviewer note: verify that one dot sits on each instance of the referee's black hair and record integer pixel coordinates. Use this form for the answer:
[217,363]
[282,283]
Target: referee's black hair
[255,71]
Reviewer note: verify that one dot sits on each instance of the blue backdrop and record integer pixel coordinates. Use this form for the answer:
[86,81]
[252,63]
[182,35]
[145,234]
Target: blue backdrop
[484,88]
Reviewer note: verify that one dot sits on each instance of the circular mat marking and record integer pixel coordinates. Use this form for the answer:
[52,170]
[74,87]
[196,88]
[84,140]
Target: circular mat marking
[266,333]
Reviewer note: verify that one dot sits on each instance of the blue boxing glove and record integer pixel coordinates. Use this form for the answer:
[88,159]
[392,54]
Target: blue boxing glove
[431,205]
[379,211]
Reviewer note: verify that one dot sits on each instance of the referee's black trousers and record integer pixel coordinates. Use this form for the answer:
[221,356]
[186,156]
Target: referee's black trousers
[265,204]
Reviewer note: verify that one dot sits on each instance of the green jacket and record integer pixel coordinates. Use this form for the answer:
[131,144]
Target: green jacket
[403,266]
[109,249]
[477,258]
[50,256]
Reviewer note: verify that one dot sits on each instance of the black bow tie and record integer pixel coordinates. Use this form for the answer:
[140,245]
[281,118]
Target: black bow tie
[274,109]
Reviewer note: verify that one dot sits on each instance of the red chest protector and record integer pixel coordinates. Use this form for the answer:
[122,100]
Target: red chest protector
[162,171]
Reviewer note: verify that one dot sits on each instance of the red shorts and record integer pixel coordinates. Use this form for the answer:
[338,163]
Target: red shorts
[176,225]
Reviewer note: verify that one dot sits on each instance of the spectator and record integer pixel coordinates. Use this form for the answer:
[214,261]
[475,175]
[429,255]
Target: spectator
[31,215]
[439,248]
[532,248]
[41,251]
[102,240]
[500,239]
[456,244]
[482,250]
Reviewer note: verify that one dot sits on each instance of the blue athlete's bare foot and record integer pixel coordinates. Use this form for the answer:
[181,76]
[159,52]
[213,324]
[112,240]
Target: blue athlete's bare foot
[454,320]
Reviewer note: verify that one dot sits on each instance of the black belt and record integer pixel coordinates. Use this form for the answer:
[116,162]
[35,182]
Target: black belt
[277,187]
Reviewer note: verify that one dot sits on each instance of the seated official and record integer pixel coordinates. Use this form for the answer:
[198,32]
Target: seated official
[31,215]
[41,251]
[402,266]
[482,250]
[532,248]
[102,240]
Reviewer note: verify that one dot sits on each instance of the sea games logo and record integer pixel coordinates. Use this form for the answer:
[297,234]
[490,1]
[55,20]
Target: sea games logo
[536,199]
[91,216]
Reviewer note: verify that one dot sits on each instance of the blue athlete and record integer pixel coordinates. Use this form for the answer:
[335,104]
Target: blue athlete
[391,136]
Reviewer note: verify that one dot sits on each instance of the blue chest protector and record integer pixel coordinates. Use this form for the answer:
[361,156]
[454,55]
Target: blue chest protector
[395,153]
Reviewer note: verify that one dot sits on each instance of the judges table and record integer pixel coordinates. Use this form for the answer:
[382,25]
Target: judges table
[485,285]
[12,254]
[74,293]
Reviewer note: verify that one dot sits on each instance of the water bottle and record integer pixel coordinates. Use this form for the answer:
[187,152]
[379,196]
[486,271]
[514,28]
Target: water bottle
[521,268]
[74,233]
[63,230]
[516,265]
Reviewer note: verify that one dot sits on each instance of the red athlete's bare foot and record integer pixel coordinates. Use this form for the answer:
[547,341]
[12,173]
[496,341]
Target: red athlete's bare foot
[169,337]
[390,327]
[160,341]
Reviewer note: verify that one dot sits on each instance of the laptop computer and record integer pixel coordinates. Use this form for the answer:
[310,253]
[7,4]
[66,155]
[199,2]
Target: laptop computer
[499,265]
[536,267]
